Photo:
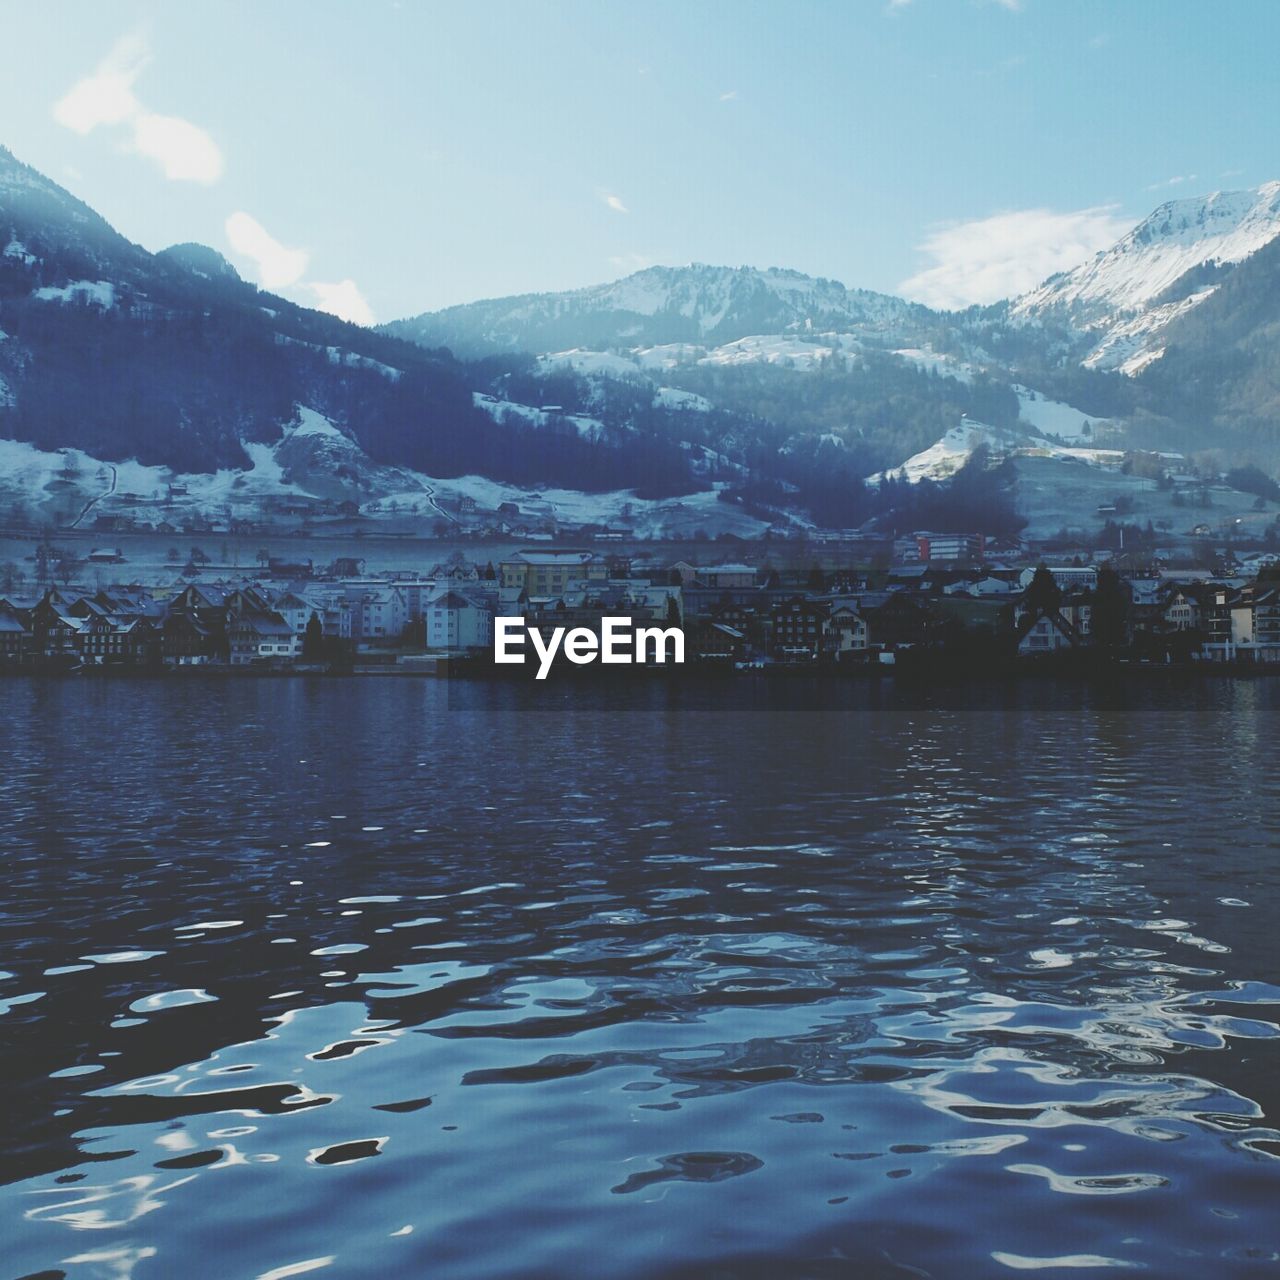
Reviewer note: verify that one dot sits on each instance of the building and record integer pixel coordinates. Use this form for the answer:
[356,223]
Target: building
[949,546]
[383,615]
[261,637]
[457,620]
[848,632]
[725,576]
[15,634]
[799,629]
[1065,575]
[1048,632]
[548,573]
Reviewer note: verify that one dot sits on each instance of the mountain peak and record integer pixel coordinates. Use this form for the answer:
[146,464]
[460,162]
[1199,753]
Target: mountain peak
[659,305]
[1224,227]
[200,260]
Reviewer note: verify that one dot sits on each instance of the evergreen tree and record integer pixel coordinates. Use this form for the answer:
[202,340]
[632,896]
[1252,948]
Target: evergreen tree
[1110,609]
[313,640]
[1043,594]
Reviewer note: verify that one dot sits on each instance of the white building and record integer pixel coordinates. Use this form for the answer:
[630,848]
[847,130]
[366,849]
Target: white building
[383,615]
[456,620]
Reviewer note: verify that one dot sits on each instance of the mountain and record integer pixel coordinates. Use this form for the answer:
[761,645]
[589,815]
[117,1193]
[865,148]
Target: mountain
[1123,300]
[171,360]
[1221,364]
[695,398]
[661,306]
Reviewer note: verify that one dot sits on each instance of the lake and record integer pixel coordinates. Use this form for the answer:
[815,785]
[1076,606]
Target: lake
[370,978]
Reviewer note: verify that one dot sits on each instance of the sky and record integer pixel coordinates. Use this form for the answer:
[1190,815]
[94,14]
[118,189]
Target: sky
[384,158]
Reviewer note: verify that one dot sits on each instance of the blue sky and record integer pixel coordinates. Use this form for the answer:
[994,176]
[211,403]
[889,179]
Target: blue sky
[390,157]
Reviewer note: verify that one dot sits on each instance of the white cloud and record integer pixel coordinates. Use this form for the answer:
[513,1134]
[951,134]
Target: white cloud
[631,261]
[344,300]
[106,96]
[730,96]
[1008,253]
[276,265]
[184,151]
[1173,182]
[614,202]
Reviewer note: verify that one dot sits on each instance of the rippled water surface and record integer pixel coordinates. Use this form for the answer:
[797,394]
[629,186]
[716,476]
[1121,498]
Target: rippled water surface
[382,978]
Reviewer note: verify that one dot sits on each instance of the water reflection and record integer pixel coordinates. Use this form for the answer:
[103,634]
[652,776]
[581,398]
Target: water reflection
[375,978]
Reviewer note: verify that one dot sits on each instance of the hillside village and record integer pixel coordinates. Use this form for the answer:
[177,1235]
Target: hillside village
[943,599]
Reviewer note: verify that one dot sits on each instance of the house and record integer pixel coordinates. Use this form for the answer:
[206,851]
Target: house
[715,643]
[848,632]
[1047,632]
[799,628]
[118,639]
[725,576]
[294,609]
[456,620]
[1242,625]
[15,635]
[55,629]
[903,621]
[985,586]
[1266,624]
[189,638]
[261,636]
[1181,610]
[384,614]
[547,573]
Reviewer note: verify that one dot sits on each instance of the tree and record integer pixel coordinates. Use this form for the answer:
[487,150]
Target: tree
[264,557]
[1043,594]
[313,640]
[67,565]
[1110,609]
[11,577]
[174,555]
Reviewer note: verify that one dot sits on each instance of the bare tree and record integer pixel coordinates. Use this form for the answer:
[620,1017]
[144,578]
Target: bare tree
[11,577]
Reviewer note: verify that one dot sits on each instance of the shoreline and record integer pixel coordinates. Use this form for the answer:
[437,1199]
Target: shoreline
[472,670]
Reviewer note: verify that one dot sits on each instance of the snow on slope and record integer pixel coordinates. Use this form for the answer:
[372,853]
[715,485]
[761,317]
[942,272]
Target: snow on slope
[69,478]
[1132,344]
[945,457]
[649,516]
[1227,226]
[929,360]
[787,350]
[592,364]
[505,410]
[1049,417]
[674,398]
[1052,418]
[1114,295]
[707,295]
[98,293]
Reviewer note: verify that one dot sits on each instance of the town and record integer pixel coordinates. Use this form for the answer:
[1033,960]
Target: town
[942,597]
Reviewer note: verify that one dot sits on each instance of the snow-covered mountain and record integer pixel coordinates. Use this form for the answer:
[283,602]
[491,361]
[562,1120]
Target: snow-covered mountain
[732,397]
[662,306]
[1126,296]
